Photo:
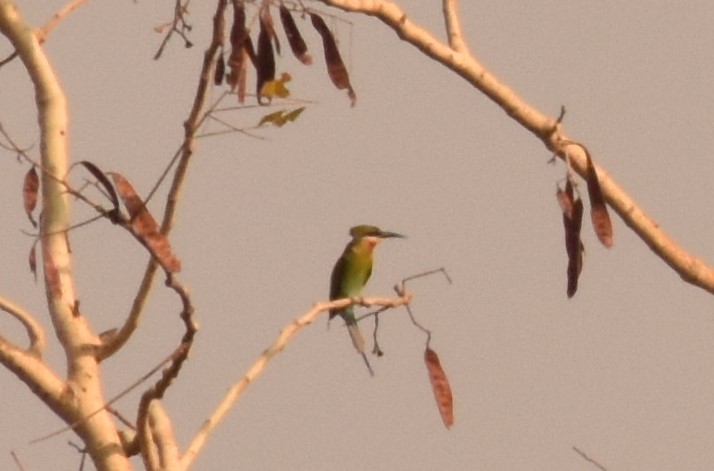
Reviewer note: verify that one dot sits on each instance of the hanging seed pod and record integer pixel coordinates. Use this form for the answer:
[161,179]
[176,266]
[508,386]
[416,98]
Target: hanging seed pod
[335,67]
[297,43]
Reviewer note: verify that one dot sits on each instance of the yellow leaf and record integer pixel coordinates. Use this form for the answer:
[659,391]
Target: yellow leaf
[280,117]
[276,88]
[277,118]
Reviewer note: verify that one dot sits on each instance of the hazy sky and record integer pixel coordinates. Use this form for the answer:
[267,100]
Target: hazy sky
[624,371]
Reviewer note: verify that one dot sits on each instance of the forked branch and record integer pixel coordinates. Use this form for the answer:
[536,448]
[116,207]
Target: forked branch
[35,331]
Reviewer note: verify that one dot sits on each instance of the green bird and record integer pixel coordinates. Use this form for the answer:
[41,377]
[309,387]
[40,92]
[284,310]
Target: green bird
[351,273]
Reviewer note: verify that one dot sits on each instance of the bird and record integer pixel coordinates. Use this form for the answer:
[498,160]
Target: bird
[350,275]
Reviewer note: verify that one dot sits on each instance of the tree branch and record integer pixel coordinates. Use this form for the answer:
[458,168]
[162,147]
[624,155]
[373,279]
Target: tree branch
[690,268]
[261,363]
[82,393]
[453,26]
[162,435]
[43,32]
[35,331]
[56,19]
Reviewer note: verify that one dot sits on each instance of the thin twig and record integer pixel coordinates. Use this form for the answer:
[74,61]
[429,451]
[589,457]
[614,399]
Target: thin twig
[453,26]
[401,287]
[120,417]
[17,460]
[56,19]
[587,458]
[231,129]
[178,25]
[82,451]
[179,152]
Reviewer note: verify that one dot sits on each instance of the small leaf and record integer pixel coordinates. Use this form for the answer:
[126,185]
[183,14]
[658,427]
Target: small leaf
[29,193]
[294,114]
[335,67]
[297,43]
[276,117]
[598,209]
[144,227]
[264,60]
[280,117]
[220,72]
[276,88]
[440,386]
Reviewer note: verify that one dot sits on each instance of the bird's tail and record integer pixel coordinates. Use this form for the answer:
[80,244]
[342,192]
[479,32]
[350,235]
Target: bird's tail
[358,342]
[356,336]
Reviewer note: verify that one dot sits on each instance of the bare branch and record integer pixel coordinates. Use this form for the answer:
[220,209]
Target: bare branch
[163,437]
[257,369]
[453,27]
[35,373]
[35,331]
[43,32]
[690,268]
[82,392]
[145,431]
[56,19]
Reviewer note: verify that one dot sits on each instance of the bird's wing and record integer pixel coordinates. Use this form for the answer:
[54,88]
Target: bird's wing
[336,282]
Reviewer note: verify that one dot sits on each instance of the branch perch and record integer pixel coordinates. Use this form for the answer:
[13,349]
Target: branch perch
[261,363]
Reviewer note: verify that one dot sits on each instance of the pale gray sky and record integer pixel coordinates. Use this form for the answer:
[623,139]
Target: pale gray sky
[624,370]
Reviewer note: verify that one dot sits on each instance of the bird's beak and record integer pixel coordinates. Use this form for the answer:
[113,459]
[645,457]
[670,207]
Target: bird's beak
[389,235]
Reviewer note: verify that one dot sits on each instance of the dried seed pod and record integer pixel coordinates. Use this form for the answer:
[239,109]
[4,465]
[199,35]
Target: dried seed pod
[144,227]
[598,209]
[297,43]
[220,72]
[264,60]
[572,222]
[440,386]
[335,67]
[30,187]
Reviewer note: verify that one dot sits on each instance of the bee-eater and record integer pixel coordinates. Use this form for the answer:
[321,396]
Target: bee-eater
[351,273]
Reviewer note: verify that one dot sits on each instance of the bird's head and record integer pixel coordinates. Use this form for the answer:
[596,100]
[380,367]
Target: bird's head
[371,235]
